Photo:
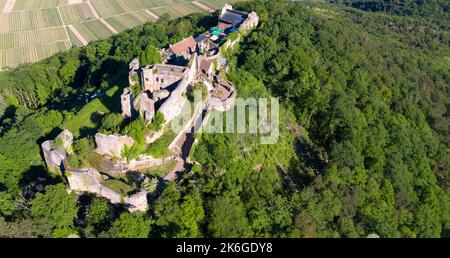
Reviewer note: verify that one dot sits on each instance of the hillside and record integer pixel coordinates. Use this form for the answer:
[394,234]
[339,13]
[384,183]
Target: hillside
[363,148]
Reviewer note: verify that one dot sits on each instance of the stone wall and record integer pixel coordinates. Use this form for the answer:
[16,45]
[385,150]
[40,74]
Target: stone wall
[157,77]
[146,107]
[223,105]
[172,107]
[133,69]
[250,23]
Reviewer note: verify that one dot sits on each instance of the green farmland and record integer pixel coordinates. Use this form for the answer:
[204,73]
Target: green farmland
[31,30]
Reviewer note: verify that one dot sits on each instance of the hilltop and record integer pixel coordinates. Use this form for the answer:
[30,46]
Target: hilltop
[363,146]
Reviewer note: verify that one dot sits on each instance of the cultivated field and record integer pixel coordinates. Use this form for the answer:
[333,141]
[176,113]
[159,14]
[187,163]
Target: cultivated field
[31,30]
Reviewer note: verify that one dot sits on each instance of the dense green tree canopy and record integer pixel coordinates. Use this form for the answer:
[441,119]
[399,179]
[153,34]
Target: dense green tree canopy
[55,210]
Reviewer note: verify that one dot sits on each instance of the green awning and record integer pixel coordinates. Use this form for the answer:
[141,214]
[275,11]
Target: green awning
[216,31]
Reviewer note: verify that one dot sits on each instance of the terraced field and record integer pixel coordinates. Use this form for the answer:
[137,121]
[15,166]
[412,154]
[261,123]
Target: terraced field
[217,4]
[31,30]
[177,10]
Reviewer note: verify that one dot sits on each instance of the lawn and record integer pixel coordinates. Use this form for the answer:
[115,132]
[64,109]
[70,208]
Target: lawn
[161,170]
[104,104]
[120,187]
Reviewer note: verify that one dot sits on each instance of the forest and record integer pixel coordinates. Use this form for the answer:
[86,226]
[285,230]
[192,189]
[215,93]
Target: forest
[364,130]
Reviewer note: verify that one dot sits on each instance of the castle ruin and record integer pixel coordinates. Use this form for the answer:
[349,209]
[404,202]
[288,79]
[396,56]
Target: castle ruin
[162,88]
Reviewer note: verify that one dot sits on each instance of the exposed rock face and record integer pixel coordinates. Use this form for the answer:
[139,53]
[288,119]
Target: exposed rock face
[126,101]
[150,138]
[137,201]
[148,161]
[56,155]
[67,140]
[251,22]
[89,180]
[112,144]
[231,44]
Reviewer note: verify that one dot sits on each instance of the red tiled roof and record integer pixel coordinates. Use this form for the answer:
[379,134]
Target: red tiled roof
[183,46]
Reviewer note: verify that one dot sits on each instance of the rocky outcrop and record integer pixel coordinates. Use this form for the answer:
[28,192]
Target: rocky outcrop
[113,144]
[55,152]
[137,201]
[54,156]
[250,23]
[89,180]
[152,137]
[66,138]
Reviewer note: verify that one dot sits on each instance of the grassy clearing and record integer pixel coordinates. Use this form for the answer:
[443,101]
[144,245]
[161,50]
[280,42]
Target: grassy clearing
[120,187]
[161,170]
[99,162]
[83,117]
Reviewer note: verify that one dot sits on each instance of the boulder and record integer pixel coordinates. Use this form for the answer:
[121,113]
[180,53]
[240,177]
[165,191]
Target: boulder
[67,140]
[113,144]
[137,201]
[54,156]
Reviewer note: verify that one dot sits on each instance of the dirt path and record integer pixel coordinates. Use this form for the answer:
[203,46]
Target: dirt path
[152,14]
[184,143]
[9,6]
[94,12]
[70,2]
[179,168]
[203,6]
[111,28]
[78,35]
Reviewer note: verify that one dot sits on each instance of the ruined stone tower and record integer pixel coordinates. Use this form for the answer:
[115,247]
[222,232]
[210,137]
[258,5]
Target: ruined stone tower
[132,72]
[126,100]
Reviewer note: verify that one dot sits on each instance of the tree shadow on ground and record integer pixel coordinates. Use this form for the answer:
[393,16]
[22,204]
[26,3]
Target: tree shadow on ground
[308,164]
[35,179]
